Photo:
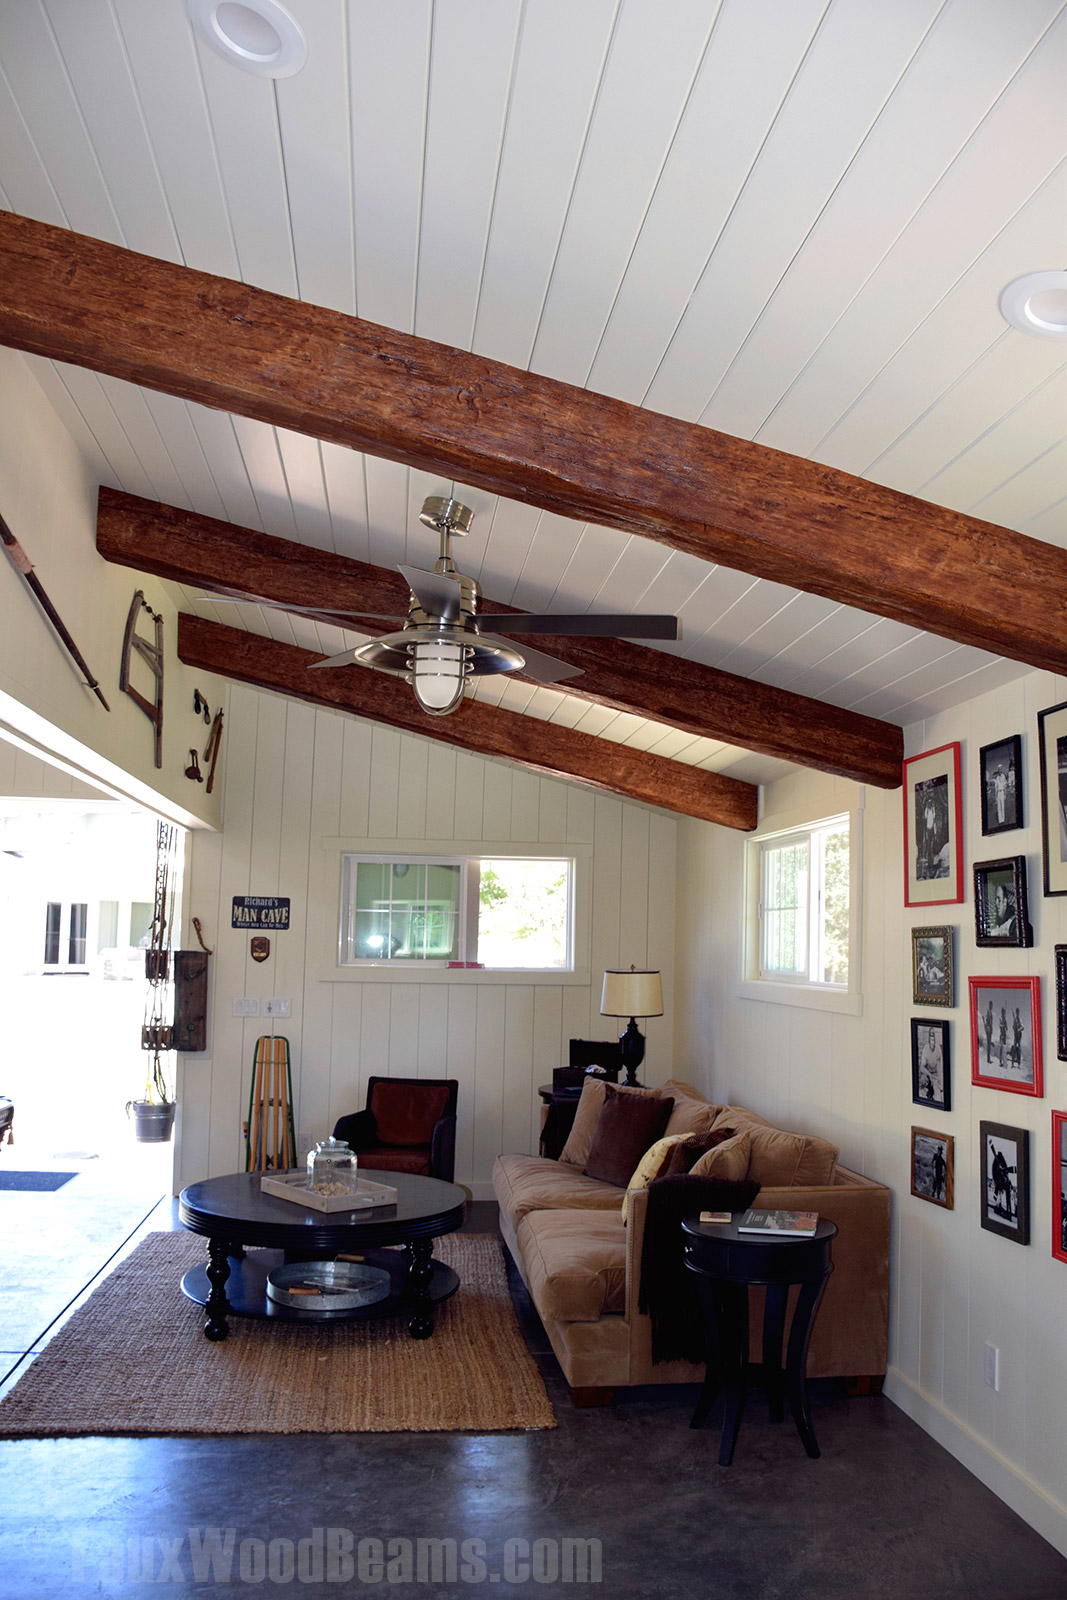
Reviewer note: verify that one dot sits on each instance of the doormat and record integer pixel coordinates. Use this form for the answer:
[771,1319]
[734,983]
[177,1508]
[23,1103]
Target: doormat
[45,1182]
[133,1360]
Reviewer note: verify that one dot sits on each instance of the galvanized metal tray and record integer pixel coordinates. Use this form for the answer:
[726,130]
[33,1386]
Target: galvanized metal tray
[325,1286]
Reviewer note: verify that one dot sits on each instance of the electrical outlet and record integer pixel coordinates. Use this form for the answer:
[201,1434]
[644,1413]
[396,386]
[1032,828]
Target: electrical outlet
[246,1008]
[992,1366]
[278,1008]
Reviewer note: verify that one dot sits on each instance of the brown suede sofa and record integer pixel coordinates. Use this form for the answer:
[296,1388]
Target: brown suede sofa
[581,1262]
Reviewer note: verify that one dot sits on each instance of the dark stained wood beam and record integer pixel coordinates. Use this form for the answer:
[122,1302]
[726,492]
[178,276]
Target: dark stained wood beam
[244,350]
[485,730]
[192,549]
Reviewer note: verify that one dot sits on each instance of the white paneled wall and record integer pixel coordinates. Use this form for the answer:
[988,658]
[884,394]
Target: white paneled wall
[296,776]
[955,1288]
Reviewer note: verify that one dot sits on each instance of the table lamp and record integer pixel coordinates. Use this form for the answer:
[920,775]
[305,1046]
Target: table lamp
[631,994]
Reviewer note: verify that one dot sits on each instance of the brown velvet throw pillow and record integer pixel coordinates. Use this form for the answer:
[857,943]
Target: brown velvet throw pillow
[627,1125]
[682,1156]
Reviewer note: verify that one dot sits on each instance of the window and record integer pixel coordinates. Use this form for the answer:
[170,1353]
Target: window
[801,944]
[804,905]
[500,912]
[53,913]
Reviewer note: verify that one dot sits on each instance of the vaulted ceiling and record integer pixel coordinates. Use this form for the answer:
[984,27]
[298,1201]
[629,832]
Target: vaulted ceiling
[788,221]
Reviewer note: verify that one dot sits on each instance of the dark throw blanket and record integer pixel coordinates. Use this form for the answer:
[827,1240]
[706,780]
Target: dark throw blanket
[668,1289]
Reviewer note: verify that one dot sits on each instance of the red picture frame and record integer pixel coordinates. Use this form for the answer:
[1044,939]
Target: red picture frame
[1005,1045]
[933,828]
[1059,1185]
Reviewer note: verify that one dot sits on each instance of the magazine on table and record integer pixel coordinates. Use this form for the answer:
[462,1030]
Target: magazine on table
[801,1224]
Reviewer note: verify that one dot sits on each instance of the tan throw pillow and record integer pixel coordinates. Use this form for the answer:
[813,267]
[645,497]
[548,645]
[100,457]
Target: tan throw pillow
[727,1161]
[627,1126]
[692,1113]
[651,1164]
[576,1151]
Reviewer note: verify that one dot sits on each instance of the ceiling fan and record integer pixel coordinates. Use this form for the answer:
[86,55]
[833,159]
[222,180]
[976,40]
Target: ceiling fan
[445,640]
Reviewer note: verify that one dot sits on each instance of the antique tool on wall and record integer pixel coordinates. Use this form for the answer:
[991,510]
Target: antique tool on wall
[211,749]
[152,656]
[270,1138]
[193,769]
[21,562]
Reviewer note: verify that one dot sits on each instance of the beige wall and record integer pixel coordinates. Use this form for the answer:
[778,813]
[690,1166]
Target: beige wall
[48,499]
[296,777]
[955,1286]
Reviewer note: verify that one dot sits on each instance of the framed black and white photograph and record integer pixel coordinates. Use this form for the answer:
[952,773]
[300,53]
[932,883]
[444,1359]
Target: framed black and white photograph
[933,828]
[1006,1034]
[930,1078]
[1052,742]
[1001,905]
[1001,767]
[1059,1185]
[933,1174]
[1060,958]
[933,966]
[1005,1177]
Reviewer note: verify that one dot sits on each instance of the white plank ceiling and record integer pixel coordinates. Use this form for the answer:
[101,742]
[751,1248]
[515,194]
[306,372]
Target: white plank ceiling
[786,219]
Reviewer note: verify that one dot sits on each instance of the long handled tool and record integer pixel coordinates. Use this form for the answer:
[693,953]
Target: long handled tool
[22,563]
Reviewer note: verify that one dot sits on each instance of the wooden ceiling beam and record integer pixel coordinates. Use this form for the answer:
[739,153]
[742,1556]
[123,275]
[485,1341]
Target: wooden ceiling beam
[196,550]
[484,730]
[797,522]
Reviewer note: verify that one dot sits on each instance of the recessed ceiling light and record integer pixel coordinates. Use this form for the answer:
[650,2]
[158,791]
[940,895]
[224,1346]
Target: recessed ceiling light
[258,35]
[1037,304]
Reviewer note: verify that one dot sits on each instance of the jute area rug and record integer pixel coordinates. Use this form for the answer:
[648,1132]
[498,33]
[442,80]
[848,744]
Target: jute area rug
[134,1360]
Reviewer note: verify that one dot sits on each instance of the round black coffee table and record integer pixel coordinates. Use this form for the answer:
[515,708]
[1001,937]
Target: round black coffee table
[727,1262]
[233,1213]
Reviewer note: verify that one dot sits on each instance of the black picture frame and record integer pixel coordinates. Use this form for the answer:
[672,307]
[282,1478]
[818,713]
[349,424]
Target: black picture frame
[933,966]
[933,1167]
[1001,905]
[1059,954]
[1001,782]
[1004,1195]
[1052,746]
[931,1070]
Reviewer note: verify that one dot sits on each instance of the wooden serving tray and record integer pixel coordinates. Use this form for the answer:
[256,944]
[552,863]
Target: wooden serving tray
[293,1186]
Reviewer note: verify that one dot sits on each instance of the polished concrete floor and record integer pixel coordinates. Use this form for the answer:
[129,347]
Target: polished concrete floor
[884,1513]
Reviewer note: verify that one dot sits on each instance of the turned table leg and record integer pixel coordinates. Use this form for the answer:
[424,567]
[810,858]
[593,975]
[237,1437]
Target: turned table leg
[218,1270]
[420,1271]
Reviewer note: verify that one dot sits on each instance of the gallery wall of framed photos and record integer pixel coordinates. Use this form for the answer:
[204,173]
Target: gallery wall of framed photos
[1003,1016]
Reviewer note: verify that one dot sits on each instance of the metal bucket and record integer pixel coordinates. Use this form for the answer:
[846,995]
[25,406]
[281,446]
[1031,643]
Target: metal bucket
[152,1124]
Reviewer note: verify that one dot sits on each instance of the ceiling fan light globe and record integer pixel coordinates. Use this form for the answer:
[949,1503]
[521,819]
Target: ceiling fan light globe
[438,675]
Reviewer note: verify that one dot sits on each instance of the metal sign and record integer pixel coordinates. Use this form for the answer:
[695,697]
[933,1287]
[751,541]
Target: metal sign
[261,911]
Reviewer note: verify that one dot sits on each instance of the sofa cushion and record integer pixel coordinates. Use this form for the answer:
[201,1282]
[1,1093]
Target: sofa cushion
[532,1183]
[406,1113]
[397,1158]
[692,1113]
[575,1263]
[788,1160]
[673,1153]
[626,1127]
[727,1161]
[576,1151]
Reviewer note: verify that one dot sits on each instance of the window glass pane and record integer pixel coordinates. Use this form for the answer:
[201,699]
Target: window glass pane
[406,911]
[522,913]
[79,916]
[107,929]
[51,932]
[785,908]
[141,924]
[835,898]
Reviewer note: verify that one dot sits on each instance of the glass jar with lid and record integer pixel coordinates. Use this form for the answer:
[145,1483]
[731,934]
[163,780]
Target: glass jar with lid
[332,1168]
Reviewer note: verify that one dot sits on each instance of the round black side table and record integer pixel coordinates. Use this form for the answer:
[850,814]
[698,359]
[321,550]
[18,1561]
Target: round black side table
[727,1263]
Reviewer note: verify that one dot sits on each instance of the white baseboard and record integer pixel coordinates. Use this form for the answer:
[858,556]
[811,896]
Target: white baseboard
[1025,1497]
[480,1191]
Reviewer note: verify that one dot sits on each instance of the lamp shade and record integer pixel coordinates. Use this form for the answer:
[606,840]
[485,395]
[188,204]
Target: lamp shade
[632,994]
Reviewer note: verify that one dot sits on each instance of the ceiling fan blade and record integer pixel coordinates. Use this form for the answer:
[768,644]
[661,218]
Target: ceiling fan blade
[297,610]
[436,592]
[546,669]
[344,659]
[614,625]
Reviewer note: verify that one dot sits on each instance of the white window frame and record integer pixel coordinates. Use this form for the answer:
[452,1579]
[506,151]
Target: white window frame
[327,892]
[780,988]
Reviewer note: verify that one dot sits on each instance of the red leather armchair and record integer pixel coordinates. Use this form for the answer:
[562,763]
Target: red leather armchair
[408,1125]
